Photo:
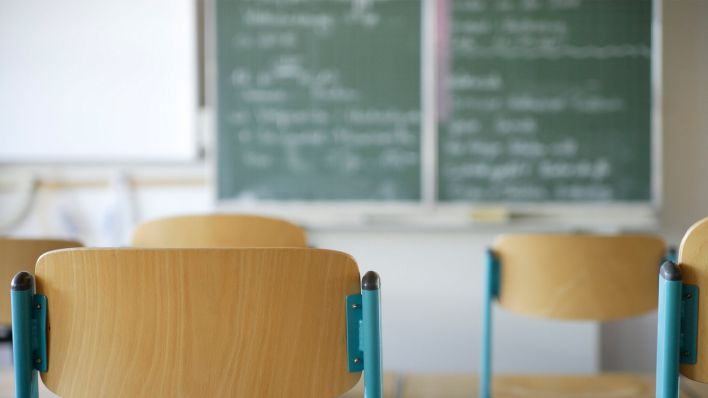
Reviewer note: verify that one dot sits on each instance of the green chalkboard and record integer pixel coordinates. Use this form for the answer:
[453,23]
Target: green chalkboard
[545,101]
[319,100]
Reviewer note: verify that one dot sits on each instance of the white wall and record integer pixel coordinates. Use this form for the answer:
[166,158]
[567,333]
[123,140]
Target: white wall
[432,280]
[97,80]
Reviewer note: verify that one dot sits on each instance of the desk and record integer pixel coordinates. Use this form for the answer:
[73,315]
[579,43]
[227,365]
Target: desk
[614,385]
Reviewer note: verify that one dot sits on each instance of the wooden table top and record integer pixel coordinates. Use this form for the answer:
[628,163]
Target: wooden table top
[614,385]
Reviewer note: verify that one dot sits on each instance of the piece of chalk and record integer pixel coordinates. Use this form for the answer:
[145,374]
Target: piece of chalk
[490,214]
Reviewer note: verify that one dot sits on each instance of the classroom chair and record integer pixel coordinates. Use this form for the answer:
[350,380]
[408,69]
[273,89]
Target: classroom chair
[569,277]
[218,230]
[249,322]
[17,255]
[681,328]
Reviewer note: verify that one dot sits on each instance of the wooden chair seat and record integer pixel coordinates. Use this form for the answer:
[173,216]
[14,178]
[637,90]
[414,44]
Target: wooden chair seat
[606,385]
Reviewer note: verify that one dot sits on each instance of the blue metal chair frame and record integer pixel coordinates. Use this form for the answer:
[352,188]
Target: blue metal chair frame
[29,311]
[677,329]
[371,326]
[491,292]
[29,348]
[364,334]
[667,350]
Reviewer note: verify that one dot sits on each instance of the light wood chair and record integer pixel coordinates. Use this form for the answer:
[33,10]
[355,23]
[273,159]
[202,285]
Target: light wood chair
[256,322]
[18,255]
[218,230]
[682,330]
[569,277]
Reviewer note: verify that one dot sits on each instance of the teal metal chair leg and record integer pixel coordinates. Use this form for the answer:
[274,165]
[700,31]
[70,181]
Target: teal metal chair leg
[491,291]
[371,336]
[22,300]
[667,355]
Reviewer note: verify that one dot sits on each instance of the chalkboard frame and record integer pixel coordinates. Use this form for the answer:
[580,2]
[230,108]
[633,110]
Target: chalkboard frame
[429,212]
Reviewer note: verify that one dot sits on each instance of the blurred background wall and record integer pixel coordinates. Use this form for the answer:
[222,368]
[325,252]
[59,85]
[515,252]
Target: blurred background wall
[432,282]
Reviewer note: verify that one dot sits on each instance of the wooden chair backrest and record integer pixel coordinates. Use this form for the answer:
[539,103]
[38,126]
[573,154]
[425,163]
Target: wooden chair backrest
[583,277]
[693,261]
[197,322]
[18,255]
[218,231]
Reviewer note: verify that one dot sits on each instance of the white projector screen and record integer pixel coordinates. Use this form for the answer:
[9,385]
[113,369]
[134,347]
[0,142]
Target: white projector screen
[88,80]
